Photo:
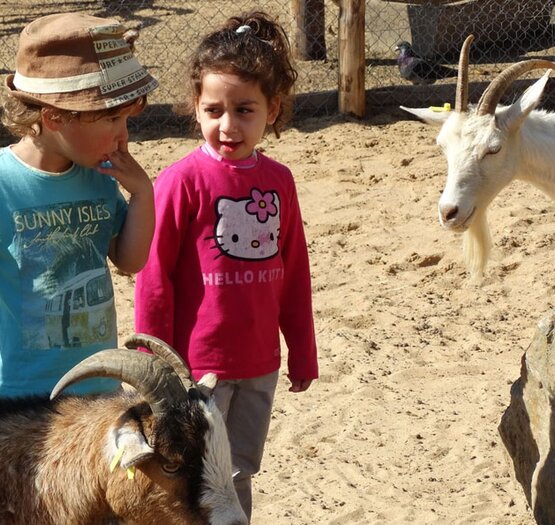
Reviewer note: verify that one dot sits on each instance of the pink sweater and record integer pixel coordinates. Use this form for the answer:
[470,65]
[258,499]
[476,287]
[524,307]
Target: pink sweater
[228,269]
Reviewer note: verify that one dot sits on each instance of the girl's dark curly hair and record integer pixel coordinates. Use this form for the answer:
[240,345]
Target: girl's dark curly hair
[260,54]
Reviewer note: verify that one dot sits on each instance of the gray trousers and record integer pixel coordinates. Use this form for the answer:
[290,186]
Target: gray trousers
[246,405]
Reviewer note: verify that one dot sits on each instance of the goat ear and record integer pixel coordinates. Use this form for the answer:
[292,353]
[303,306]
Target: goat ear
[428,115]
[512,117]
[134,445]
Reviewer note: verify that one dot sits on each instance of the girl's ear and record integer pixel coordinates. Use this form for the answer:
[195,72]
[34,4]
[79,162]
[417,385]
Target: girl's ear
[274,106]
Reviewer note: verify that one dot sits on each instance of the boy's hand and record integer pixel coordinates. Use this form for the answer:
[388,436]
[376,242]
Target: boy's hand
[299,385]
[129,250]
[126,170]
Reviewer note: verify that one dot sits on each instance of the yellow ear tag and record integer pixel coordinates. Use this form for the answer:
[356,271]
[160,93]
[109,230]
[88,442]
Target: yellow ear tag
[131,472]
[117,458]
[445,107]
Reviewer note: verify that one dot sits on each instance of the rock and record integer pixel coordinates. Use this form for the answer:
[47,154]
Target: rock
[527,427]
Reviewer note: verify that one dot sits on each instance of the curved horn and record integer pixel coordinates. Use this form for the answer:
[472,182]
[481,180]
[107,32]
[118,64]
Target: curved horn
[151,376]
[493,93]
[461,96]
[165,352]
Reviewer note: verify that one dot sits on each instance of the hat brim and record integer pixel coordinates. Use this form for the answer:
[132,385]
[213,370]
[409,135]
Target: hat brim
[84,100]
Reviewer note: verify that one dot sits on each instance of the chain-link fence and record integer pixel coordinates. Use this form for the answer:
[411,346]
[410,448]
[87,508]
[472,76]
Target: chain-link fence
[505,31]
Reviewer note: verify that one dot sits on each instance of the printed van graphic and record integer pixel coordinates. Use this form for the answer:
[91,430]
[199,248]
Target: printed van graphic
[82,313]
[68,300]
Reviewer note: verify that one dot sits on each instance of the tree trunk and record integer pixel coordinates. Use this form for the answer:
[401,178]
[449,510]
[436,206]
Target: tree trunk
[351,57]
[309,42]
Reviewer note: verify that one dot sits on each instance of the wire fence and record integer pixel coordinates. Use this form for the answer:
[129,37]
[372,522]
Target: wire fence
[505,31]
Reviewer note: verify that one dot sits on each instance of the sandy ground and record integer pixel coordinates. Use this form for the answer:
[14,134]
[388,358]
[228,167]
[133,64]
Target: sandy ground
[416,360]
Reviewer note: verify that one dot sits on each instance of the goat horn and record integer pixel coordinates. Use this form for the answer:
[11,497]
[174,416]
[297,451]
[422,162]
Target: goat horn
[165,352]
[151,376]
[461,96]
[493,93]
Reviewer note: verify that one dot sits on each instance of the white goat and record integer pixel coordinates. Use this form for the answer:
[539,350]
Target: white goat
[68,460]
[489,146]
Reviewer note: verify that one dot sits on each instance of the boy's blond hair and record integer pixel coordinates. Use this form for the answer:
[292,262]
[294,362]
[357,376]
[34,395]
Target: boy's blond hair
[21,118]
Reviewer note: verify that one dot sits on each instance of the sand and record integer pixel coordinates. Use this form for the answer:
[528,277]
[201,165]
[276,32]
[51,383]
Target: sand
[416,359]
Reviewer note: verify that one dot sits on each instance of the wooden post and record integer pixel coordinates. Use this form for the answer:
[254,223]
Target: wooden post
[351,57]
[309,42]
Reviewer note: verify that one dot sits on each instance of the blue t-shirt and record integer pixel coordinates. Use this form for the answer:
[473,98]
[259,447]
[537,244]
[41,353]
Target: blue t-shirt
[56,296]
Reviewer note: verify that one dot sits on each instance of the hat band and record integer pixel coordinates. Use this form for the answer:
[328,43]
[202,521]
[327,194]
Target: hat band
[130,96]
[125,70]
[56,85]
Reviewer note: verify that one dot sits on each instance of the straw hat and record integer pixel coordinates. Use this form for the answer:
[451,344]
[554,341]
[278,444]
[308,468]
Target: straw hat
[77,62]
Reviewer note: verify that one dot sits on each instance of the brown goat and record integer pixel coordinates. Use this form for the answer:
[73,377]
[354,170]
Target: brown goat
[57,455]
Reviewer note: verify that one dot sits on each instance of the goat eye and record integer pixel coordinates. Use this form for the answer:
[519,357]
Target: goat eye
[170,468]
[494,149]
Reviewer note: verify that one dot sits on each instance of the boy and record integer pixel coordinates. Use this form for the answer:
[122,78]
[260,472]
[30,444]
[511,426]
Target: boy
[62,214]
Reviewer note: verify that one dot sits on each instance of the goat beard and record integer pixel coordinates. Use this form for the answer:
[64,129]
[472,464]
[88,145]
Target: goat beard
[477,245]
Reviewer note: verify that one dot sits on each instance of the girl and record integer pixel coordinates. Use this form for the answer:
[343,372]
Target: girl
[228,266]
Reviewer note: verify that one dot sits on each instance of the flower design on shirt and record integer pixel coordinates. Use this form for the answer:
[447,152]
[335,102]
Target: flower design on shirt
[262,205]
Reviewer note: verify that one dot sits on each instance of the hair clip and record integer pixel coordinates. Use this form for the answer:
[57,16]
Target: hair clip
[243,29]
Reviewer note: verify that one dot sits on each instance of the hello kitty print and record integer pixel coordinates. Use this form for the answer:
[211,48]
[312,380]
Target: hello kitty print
[248,228]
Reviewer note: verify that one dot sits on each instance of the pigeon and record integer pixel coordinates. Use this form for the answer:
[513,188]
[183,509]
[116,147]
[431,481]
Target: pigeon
[419,70]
